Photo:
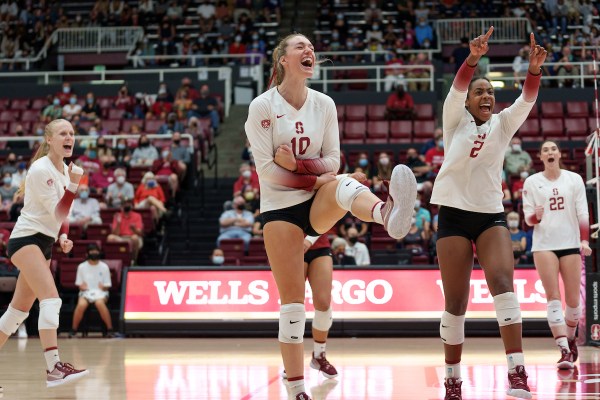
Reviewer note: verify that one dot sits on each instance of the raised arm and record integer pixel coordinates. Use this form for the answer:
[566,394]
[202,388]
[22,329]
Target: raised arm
[537,56]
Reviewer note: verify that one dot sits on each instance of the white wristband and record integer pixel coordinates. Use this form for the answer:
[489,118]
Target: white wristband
[72,187]
[63,236]
[312,239]
[77,170]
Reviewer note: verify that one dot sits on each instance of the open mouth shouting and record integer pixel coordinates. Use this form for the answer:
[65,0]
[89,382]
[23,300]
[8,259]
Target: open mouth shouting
[485,108]
[307,63]
[68,147]
[551,159]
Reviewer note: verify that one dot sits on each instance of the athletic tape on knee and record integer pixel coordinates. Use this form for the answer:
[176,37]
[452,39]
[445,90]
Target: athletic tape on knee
[573,314]
[554,313]
[11,319]
[292,318]
[49,313]
[507,307]
[347,190]
[452,328]
[322,320]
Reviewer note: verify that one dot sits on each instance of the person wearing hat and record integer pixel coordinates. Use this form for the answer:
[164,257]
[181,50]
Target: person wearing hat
[149,194]
[93,279]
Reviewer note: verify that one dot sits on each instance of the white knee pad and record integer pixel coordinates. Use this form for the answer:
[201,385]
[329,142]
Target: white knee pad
[554,313]
[452,328]
[347,190]
[11,319]
[573,314]
[49,313]
[292,318]
[507,307]
[322,320]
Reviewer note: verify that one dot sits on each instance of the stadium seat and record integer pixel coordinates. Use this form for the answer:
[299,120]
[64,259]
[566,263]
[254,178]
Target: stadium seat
[20,104]
[127,123]
[501,105]
[355,130]
[113,126]
[257,247]
[105,103]
[118,250]
[377,132]
[383,243]
[115,113]
[254,260]
[400,131]
[116,270]
[530,130]
[577,109]
[67,272]
[577,128]
[9,115]
[153,125]
[341,109]
[232,248]
[423,130]
[376,112]
[358,74]
[424,111]
[99,231]
[30,115]
[552,109]
[106,214]
[534,113]
[39,104]
[354,112]
[553,128]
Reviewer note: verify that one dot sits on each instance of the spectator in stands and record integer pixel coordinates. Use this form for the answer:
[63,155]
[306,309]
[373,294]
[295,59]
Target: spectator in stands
[71,109]
[408,37]
[516,159]
[91,110]
[217,257]
[86,209]
[569,69]
[520,66]
[415,239]
[222,10]
[338,250]
[181,154]
[171,126]
[167,170]
[423,217]
[4,236]
[101,179]
[394,73]
[206,12]
[10,166]
[19,175]
[149,194]
[373,12]
[383,171]
[257,227]
[350,221]
[52,111]
[247,177]
[559,11]
[122,154]
[400,105]
[125,102]
[417,165]
[356,249]
[163,105]
[99,128]
[517,236]
[237,47]
[460,54]
[145,154]
[374,32]
[7,192]
[105,153]
[517,187]
[272,7]
[435,156]
[422,11]
[419,73]
[423,32]
[364,163]
[76,122]
[93,279]
[146,12]
[120,189]
[65,94]
[175,12]
[127,226]
[89,159]
[236,223]
[182,104]
[252,200]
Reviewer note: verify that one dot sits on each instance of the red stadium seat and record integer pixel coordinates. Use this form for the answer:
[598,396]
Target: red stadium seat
[376,112]
[423,130]
[553,128]
[106,215]
[501,105]
[9,115]
[232,247]
[358,74]
[153,125]
[30,115]
[355,130]
[254,260]
[377,131]
[341,109]
[530,130]
[127,123]
[99,231]
[39,104]
[67,272]
[4,104]
[552,109]
[20,104]
[577,128]
[424,111]
[354,112]
[105,102]
[401,131]
[534,113]
[383,243]
[257,247]
[115,113]
[113,126]
[118,250]
[116,270]
[577,109]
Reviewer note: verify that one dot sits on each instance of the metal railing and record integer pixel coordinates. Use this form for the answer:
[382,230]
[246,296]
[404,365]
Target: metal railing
[498,72]
[373,55]
[379,79]
[98,40]
[105,75]
[506,30]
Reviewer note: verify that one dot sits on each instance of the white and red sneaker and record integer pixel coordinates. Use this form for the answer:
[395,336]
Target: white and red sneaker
[453,391]
[64,373]
[398,209]
[321,364]
[573,348]
[302,396]
[566,360]
[518,383]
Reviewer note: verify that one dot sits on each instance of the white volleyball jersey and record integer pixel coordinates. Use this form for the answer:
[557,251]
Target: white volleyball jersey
[312,133]
[44,187]
[471,176]
[565,204]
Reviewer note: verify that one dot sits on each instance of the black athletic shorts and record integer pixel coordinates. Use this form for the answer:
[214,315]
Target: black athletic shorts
[566,252]
[469,224]
[42,241]
[298,215]
[310,255]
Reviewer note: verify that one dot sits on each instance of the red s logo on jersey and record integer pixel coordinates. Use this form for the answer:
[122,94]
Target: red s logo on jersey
[299,128]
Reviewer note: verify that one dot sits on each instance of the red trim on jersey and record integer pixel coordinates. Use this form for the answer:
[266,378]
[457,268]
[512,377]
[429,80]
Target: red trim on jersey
[531,86]
[532,219]
[296,378]
[64,205]
[321,243]
[584,230]
[311,166]
[64,228]
[463,77]
[302,182]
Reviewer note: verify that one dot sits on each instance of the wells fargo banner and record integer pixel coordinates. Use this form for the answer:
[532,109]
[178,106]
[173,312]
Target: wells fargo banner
[357,294]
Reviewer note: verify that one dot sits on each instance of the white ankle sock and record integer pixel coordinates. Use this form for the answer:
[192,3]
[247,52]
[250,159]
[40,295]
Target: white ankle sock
[377,217]
[571,330]
[51,356]
[562,342]
[515,359]
[319,348]
[296,387]
[453,371]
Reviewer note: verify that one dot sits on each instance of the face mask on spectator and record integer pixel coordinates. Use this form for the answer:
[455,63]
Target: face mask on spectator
[384,161]
[151,184]
[73,100]
[218,260]
[93,132]
[524,174]
[84,194]
[440,143]
[22,165]
[363,162]
[90,100]
[66,89]
[56,102]
[176,142]
[7,180]
[247,174]
[92,154]
[39,131]
[513,224]
[516,147]
[121,146]
[255,37]
[144,144]
[417,204]
[127,208]
[93,256]
[165,154]
[353,239]
[162,90]
[120,179]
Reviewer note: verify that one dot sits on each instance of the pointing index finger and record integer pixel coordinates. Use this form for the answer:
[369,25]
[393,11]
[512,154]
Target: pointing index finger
[489,33]
[532,38]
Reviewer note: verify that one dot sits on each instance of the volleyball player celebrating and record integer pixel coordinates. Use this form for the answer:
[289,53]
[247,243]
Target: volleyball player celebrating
[468,190]
[554,201]
[294,136]
[49,189]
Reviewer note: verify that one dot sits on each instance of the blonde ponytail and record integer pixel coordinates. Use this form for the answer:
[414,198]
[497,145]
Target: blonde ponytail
[42,150]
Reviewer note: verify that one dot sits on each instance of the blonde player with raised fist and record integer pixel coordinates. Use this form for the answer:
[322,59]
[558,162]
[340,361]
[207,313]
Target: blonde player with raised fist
[49,189]
[294,136]
[468,189]
[554,203]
